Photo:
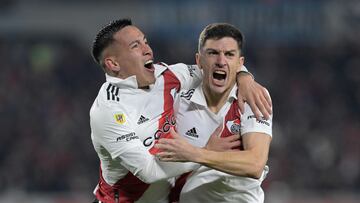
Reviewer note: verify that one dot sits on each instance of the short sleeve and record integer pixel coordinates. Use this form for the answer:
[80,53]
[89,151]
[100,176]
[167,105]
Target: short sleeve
[113,129]
[190,76]
[249,123]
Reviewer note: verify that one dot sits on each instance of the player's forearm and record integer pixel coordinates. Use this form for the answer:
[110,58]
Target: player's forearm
[153,170]
[241,163]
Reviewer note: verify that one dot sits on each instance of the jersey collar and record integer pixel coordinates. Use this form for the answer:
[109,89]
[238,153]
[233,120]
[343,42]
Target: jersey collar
[131,81]
[199,97]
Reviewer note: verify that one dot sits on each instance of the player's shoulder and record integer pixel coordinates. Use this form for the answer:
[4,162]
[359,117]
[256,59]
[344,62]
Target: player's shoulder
[183,68]
[107,104]
[186,94]
[108,96]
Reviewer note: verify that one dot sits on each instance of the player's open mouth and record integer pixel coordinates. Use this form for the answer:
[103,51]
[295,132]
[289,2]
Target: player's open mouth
[219,76]
[149,65]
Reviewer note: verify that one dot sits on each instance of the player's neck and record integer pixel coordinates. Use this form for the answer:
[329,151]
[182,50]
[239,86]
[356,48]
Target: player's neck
[215,101]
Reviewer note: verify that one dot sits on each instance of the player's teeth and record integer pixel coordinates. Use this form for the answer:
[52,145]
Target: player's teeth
[148,62]
[220,72]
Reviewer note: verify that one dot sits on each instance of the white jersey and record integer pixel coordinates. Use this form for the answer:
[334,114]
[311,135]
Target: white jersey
[125,124]
[196,123]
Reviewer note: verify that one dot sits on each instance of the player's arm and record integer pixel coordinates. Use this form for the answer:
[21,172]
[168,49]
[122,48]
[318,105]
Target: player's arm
[254,94]
[124,146]
[249,163]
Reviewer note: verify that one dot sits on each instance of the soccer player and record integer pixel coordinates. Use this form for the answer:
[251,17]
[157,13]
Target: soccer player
[239,172]
[133,109]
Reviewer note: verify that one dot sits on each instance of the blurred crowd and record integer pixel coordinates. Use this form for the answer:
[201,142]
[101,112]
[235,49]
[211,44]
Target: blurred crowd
[49,83]
[47,87]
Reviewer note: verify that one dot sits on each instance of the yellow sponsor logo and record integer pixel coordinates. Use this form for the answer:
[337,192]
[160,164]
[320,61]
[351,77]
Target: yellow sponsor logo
[120,118]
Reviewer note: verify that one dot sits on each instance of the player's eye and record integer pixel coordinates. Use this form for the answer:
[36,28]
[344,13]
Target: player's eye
[134,45]
[229,54]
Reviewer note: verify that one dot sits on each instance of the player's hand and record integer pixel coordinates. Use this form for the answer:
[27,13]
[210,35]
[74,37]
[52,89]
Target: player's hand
[176,149]
[217,143]
[255,95]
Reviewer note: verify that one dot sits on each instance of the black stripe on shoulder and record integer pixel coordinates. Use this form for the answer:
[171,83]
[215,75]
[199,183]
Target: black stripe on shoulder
[112,93]
[187,95]
[191,70]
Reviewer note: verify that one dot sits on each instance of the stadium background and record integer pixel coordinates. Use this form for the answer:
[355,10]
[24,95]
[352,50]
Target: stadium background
[307,53]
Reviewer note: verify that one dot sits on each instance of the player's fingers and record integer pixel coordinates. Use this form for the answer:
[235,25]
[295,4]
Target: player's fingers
[162,147]
[241,104]
[162,157]
[235,144]
[241,101]
[267,100]
[164,141]
[261,107]
[267,97]
[165,154]
[267,109]
[254,108]
[232,138]
[165,144]
[174,133]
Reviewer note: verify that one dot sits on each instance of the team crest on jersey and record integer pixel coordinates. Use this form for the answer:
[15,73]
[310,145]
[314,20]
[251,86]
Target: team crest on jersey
[233,126]
[120,118]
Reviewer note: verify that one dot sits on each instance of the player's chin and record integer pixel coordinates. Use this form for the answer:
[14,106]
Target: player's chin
[218,89]
[147,81]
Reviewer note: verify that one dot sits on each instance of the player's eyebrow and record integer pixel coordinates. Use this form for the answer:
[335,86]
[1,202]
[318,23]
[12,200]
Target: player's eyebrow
[217,51]
[137,41]
[233,51]
[211,50]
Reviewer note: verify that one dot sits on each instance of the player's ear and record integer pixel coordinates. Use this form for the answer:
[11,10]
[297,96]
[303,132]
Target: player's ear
[111,64]
[197,59]
[241,63]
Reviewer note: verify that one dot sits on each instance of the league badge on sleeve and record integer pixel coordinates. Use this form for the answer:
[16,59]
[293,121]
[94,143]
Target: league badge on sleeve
[120,118]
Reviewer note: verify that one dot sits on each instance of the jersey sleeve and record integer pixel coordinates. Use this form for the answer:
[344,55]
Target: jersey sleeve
[115,133]
[150,169]
[249,123]
[190,76]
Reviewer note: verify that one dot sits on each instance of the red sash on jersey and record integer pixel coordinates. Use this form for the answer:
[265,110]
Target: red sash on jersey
[127,190]
[232,122]
[167,119]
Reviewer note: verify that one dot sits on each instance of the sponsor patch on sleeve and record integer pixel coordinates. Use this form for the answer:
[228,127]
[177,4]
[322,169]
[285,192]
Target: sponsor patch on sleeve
[261,121]
[127,137]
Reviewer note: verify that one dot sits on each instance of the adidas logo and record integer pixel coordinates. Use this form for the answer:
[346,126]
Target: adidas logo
[192,133]
[142,119]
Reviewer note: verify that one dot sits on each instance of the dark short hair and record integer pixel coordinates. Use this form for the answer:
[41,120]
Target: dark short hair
[106,36]
[220,30]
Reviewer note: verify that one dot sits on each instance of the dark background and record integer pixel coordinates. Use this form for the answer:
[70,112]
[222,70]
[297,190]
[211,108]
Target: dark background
[307,53]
